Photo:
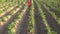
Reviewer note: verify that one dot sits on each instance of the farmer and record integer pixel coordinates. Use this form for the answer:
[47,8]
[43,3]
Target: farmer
[29,3]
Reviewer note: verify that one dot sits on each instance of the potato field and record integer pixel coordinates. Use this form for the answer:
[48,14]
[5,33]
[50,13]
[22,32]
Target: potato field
[42,17]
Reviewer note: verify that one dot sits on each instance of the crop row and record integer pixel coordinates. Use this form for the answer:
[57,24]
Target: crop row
[7,6]
[43,16]
[53,14]
[4,19]
[31,22]
[12,27]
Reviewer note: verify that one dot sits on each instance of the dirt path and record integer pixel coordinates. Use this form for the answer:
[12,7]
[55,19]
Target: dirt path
[39,26]
[51,21]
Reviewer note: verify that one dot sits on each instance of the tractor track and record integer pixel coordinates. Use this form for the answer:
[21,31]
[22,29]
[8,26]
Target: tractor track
[39,26]
[23,24]
[3,29]
[51,21]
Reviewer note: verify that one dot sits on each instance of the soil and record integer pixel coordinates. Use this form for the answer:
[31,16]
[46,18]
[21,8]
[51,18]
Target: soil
[57,13]
[4,29]
[51,21]
[22,27]
[39,26]
[9,11]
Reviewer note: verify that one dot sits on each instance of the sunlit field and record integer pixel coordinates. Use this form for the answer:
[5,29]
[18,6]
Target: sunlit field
[40,17]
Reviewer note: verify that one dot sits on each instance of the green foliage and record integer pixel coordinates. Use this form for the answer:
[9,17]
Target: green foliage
[2,0]
[1,11]
[52,32]
[10,27]
[53,3]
